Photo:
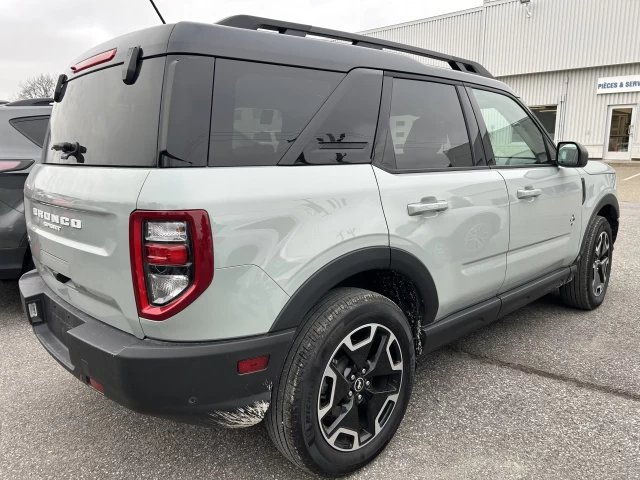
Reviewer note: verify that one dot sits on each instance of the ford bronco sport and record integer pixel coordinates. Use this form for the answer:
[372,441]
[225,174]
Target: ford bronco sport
[232,225]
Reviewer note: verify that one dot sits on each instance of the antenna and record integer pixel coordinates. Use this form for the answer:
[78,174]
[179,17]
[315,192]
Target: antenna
[158,12]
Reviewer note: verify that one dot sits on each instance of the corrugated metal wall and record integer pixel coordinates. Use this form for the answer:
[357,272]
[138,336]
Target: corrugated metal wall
[560,34]
[553,57]
[583,117]
[442,34]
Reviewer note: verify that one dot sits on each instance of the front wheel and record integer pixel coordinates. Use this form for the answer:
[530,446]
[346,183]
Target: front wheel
[345,385]
[589,287]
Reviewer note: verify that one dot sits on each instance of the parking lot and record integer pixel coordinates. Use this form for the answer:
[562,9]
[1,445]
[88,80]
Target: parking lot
[628,181]
[546,392]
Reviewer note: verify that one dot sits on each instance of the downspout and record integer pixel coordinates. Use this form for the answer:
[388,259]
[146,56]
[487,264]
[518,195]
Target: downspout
[563,111]
[483,40]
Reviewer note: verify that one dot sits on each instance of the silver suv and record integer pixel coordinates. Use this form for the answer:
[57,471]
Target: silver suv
[232,225]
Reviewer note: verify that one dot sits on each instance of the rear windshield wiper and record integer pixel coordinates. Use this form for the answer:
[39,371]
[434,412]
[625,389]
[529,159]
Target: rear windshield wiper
[70,149]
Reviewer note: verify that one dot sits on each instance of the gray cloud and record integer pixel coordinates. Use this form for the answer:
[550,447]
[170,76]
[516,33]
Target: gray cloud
[39,36]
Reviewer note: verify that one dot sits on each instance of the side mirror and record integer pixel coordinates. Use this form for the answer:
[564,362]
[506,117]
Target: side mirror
[572,154]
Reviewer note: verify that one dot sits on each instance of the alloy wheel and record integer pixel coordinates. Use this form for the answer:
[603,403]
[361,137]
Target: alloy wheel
[360,387]
[601,264]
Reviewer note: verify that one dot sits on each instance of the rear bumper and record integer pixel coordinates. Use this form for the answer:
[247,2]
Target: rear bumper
[189,382]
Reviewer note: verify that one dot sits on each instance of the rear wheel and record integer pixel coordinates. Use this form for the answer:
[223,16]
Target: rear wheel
[345,384]
[589,287]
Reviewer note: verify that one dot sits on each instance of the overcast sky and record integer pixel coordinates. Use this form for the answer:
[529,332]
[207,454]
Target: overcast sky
[39,36]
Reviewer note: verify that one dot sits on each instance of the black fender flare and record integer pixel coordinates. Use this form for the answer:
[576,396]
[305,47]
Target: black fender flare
[352,263]
[608,199]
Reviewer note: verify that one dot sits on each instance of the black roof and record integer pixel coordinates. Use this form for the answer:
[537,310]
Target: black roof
[244,42]
[238,37]
[300,30]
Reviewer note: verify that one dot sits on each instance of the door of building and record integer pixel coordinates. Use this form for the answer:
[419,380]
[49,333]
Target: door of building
[619,138]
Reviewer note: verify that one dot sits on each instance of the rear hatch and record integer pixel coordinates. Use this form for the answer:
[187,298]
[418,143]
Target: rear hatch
[78,206]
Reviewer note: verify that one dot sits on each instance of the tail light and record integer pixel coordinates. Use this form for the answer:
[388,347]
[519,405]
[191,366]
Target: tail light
[14,165]
[171,260]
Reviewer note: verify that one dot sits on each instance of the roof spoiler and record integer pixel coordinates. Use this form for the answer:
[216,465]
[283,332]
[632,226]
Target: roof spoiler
[300,30]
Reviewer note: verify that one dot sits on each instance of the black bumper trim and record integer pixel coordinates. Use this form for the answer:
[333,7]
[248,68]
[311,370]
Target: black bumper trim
[184,381]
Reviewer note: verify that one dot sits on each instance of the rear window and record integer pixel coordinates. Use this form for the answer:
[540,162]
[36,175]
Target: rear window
[115,122]
[34,128]
[259,110]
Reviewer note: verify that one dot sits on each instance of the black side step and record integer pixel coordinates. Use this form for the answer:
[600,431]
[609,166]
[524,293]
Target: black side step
[470,319]
[460,323]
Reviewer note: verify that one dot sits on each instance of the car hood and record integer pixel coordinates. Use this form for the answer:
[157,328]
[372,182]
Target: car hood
[595,167]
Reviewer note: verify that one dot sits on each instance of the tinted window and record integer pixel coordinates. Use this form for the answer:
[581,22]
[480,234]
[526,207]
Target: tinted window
[344,128]
[515,138]
[34,128]
[427,127]
[259,110]
[115,122]
[186,111]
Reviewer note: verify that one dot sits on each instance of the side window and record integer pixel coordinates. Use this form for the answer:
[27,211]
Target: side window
[515,138]
[344,128]
[186,109]
[426,127]
[34,128]
[259,110]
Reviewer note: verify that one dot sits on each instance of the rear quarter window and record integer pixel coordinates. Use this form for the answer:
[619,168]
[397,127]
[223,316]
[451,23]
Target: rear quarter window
[259,110]
[34,128]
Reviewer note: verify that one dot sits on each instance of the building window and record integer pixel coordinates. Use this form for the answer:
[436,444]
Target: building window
[547,116]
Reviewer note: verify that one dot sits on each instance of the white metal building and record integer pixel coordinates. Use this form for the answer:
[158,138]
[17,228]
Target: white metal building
[576,63]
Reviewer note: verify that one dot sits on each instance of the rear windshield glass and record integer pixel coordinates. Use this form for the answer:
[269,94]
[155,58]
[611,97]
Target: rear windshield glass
[115,122]
[34,128]
[259,110]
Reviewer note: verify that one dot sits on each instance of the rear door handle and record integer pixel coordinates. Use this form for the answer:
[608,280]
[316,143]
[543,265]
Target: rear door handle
[529,192]
[419,208]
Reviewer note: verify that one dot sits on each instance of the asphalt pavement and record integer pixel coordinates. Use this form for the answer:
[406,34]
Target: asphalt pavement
[547,392]
[628,180]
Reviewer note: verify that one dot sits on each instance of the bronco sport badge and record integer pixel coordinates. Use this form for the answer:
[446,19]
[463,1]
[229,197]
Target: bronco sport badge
[56,222]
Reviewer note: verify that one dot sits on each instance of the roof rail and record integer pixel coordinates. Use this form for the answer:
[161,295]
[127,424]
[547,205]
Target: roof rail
[300,30]
[31,102]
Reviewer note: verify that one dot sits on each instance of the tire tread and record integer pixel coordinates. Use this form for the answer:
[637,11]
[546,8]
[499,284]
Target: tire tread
[280,420]
[576,293]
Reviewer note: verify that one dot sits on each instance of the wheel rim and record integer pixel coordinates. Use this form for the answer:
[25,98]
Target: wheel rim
[601,264]
[360,387]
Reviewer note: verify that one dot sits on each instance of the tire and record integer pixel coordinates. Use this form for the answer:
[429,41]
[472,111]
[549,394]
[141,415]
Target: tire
[309,389]
[589,287]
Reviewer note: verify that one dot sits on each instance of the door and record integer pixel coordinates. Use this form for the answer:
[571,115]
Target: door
[441,202]
[620,122]
[545,200]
